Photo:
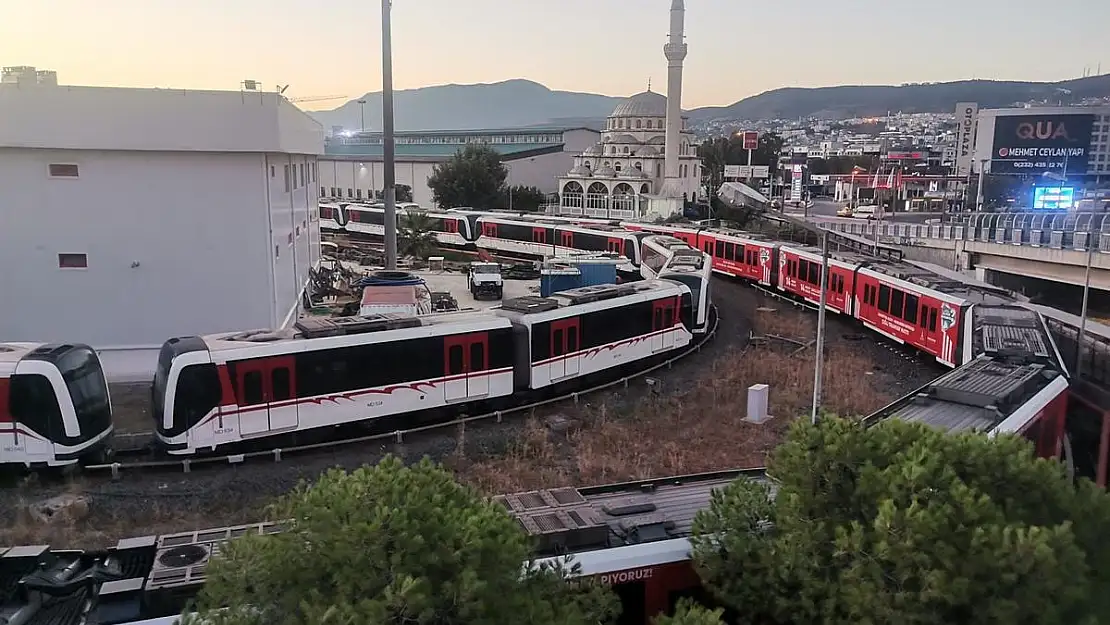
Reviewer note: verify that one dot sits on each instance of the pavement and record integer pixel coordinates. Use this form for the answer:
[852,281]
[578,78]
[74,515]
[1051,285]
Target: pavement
[826,210]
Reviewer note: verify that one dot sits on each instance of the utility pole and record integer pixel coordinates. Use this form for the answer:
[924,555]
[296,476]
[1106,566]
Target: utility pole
[820,347]
[1083,314]
[390,174]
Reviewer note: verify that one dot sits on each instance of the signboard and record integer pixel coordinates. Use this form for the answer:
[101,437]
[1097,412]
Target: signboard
[967,116]
[624,577]
[796,183]
[751,140]
[1035,144]
[907,156]
[746,171]
[1053,198]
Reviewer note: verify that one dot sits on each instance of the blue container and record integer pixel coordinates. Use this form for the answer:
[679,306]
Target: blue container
[597,273]
[553,280]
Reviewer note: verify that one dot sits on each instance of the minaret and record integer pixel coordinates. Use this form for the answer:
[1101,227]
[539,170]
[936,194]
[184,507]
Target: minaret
[675,51]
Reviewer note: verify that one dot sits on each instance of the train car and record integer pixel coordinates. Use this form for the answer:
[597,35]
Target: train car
[54,405]
[799,274]
[541,237]
[452,229]
[669,258]
[333,217]
[917,307]
[588,330]
[572,239]
[1016,384]
[366,219]
[229,388]
[736,253]
[515,236]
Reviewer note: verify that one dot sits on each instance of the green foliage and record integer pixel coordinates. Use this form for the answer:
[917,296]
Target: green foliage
[415,237]
[721,151]
[389,545]
[473,177]
[899,523]
[524,198]
[689,612]
[402,192]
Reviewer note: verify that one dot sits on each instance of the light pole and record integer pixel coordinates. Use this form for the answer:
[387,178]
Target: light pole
[982,174]
[389,174]
[362,114]
[820,348]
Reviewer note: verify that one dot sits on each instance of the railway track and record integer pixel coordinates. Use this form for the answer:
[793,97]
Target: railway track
[166,463]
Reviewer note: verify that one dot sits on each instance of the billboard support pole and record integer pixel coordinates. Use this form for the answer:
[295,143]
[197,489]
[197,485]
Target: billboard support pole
[1083,314]
[979,194]
[819,354]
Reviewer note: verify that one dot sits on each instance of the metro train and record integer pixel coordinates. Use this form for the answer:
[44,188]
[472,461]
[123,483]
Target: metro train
[232,388]
[54,405]
[505,233]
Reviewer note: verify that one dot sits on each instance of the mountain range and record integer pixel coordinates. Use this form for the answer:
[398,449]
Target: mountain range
[522,103]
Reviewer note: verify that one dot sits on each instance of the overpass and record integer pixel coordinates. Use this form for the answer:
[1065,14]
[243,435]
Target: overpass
[1049,246]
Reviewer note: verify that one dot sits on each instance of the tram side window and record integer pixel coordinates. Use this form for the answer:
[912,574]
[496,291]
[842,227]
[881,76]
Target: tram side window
[281,384]
[932,319]
[884,298]
[814,273]
[924,320]
[198,393]
[730,251]
[719,249]
[911,308]
[252,388]
[33,403]
[897,300]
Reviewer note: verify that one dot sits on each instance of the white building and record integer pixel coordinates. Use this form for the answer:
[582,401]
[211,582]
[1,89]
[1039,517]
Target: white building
[353,166]
[26,75]
[134,215]
[627,163]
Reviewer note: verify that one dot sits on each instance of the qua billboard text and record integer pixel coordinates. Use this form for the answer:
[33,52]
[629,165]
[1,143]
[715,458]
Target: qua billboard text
[1035,144]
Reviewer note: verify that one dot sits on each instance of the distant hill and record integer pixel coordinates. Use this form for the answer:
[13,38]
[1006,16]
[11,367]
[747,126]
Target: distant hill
[523,103]
[508,104]
[865,101]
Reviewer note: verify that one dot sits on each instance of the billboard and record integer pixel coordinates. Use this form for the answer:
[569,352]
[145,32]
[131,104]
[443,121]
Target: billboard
[751,140]
[967,115]
[1035,144]
[906,156]
[747,171]
[796,183]
[1054,198]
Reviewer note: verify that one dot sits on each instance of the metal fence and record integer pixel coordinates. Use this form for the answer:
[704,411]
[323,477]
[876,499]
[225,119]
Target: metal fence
[1071,231]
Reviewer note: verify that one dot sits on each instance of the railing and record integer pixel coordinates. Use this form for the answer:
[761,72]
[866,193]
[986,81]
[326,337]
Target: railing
[1071,231]
[596,205]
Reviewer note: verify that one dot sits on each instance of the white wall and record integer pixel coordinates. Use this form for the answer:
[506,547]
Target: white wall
[368,175]
[177,243]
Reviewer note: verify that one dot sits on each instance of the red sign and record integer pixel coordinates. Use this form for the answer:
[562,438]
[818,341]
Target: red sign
[751,140]
[624,577]
[906,156]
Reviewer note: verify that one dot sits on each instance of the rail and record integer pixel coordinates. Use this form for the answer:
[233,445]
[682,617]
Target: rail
[186,464]
[1071,231]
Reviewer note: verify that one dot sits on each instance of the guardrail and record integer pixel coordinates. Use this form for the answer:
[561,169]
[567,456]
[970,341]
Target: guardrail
[1070,231]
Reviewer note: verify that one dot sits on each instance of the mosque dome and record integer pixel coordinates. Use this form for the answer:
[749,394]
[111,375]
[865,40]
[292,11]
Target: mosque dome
[632,172]
[581,170]
[605,172]
[646,104]
[594,150]
[624,138]
[647,150]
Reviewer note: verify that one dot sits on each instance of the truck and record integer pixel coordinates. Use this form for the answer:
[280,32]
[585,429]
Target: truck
[485,280]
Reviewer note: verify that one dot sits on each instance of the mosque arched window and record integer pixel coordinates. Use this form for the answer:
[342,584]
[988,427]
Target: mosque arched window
[626,149]
[617,166]
[639,123]
[638,166]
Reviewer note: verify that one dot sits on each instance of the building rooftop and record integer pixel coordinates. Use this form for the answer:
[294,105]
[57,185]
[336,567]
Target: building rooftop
[110,118]
[434,151]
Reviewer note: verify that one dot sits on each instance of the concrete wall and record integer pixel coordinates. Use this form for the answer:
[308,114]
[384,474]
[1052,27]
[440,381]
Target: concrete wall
[367,176]
[176,243]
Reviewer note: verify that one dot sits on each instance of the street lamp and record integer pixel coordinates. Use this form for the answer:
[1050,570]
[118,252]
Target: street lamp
[979,196]
[362,114]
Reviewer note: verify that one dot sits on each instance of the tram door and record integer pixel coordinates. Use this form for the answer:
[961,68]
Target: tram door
[466,366]
[266,395]
[564,349]
[662,320]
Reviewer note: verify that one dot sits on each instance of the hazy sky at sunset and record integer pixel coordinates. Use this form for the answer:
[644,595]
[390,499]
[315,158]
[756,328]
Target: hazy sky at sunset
[737,47]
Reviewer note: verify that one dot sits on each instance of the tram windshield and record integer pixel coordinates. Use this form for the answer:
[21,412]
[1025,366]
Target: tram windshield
[88,390]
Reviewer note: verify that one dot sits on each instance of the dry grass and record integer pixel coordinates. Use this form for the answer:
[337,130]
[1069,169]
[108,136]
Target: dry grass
[701,429]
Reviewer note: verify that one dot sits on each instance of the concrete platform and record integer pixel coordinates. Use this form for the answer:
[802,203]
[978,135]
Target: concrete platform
[456,284]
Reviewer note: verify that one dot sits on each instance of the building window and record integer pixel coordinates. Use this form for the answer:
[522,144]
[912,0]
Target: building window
[333,192]
[286,176]
[639,124]
[323,191]
[303,179]
[272,172]
[617,166]
[73,261]
[350,193]
[63,170]
[358,193]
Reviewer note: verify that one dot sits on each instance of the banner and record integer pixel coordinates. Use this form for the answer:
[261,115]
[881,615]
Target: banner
[796,184]
[967,116]
[1037,144]
[751,140]
[744,171]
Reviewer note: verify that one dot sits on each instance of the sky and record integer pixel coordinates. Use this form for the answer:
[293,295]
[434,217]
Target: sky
[737,48]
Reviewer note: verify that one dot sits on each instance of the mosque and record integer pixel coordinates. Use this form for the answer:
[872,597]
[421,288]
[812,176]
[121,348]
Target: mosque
[646,162]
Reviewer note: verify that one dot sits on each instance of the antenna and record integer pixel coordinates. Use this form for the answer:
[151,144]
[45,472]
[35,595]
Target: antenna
[282,89]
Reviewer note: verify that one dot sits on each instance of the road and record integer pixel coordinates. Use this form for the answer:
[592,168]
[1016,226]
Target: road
[826,209]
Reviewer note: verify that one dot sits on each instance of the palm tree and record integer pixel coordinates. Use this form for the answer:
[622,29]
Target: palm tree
[416,237]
